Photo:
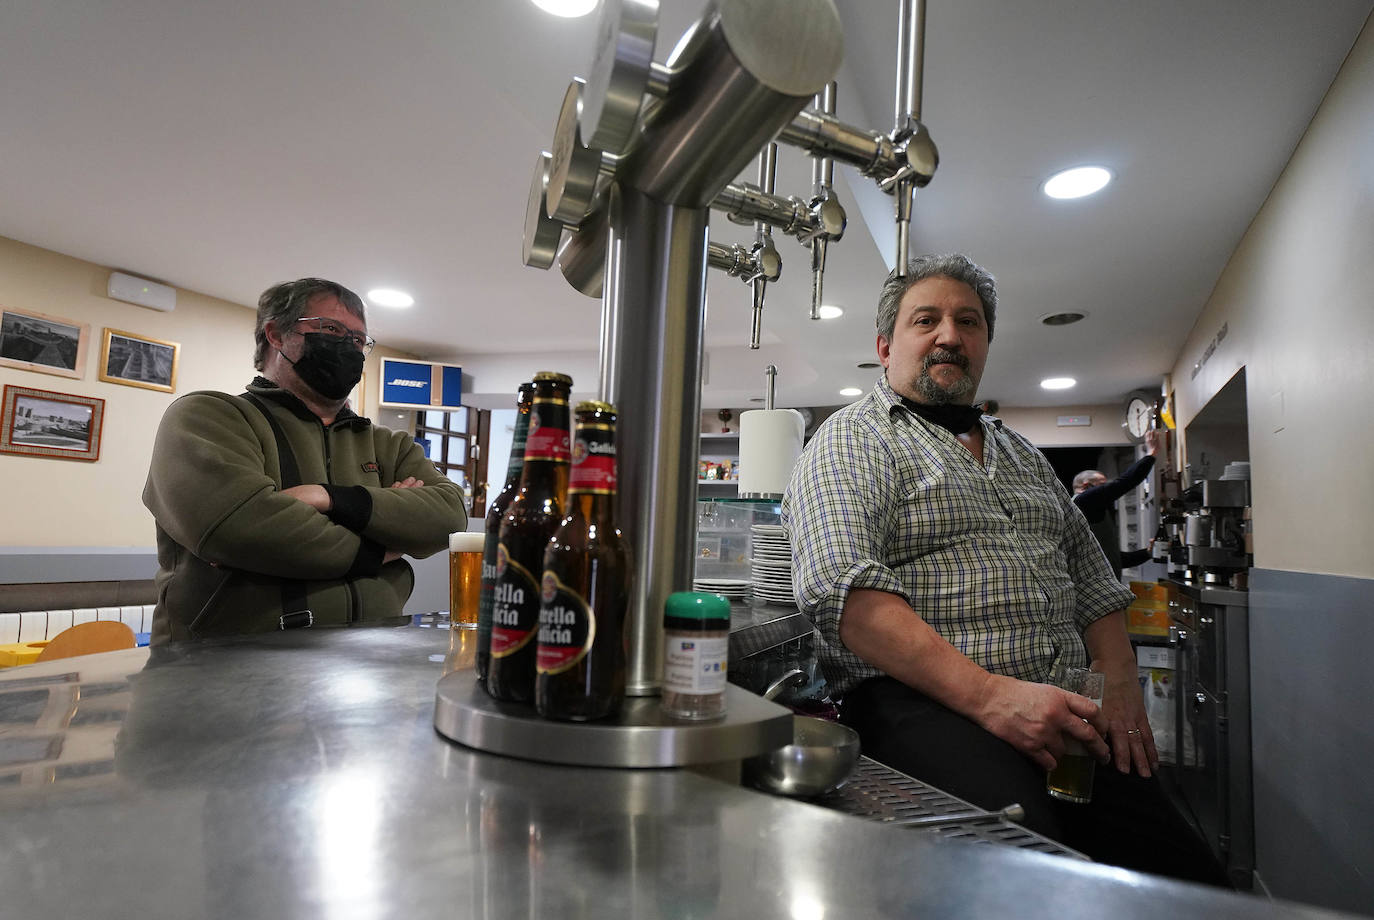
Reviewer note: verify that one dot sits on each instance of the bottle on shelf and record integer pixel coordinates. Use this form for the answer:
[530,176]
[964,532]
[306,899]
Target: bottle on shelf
[580,648]
[1159,546]
[530,520]
[1178,559]
[524,399]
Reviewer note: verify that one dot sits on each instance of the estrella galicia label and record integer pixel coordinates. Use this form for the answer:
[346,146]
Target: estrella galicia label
[547,439]
[514,606]
[593,463]
[567,627]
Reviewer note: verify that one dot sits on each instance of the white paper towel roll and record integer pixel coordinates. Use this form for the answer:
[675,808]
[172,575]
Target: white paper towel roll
[770,441]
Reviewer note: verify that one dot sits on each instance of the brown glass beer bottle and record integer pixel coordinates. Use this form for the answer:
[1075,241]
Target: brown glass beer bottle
[580,647]
[495,514]
[530,520]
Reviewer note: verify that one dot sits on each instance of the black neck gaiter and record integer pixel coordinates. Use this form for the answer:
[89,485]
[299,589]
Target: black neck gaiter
[953,418]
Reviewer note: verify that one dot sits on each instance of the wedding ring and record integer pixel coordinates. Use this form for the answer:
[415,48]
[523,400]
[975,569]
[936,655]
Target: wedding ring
[1132,731]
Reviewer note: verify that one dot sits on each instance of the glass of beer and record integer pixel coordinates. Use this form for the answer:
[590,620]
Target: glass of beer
[1072,778]
[464,593]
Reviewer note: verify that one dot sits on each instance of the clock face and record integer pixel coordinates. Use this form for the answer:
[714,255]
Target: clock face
[1139,413]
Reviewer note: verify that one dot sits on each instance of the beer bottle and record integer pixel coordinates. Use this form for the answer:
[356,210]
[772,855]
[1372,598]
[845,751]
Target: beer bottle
[497,511]
[580,648]
[1159,546]
[530,520]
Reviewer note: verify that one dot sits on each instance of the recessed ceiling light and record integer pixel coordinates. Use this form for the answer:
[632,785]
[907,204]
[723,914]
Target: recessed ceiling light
[568,9]
[386,297]
[1058,383]
[1077,182]
[830,311]
[867,365]
[1062,319]
[851,391]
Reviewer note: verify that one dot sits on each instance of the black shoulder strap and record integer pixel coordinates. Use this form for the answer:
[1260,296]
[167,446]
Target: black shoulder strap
[286,460]
[295,604]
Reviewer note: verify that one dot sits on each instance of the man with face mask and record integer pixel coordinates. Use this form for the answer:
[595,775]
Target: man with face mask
[281,508]
[949,576]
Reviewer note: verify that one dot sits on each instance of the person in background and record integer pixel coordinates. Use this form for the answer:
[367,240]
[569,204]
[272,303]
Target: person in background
[280,507]
[949,575]
[1096,498]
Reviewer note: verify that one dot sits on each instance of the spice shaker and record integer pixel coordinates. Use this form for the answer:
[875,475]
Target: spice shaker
[696,631]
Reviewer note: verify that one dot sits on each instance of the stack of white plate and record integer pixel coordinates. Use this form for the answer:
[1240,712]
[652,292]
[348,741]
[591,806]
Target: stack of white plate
[1238,470]
[726,587]
[772,563]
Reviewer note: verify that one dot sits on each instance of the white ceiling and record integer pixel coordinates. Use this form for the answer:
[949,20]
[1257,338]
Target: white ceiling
[222,147]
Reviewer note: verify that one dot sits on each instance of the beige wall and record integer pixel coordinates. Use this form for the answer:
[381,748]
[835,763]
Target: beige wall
[1297,300]
[49,502]
[1041,425]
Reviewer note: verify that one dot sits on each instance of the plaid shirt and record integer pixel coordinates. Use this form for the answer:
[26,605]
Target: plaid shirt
[996,558]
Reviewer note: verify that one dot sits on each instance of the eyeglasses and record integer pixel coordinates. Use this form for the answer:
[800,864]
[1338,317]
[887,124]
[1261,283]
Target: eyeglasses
[335,329]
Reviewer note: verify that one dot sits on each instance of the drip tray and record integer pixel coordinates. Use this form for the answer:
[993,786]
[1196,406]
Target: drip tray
[880,793]
[639,737]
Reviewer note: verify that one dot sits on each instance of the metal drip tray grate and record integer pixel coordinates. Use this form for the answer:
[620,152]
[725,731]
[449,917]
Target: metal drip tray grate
[880,793]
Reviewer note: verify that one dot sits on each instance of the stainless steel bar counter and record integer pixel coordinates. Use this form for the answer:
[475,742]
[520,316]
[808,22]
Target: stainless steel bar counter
[299,774]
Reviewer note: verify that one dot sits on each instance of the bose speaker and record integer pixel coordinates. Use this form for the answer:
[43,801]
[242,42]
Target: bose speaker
[143,292]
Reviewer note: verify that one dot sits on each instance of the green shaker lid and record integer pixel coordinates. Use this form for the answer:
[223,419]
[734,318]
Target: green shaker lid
[697,605]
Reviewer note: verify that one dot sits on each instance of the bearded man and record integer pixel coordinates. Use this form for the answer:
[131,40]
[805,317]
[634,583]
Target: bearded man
[950,576]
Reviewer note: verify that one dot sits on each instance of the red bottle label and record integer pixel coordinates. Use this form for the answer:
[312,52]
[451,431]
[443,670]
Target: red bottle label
[593,466]
[546,441]
[514,606]
[567,627]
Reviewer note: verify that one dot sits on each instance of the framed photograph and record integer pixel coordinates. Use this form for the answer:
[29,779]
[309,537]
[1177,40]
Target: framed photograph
[138,361]
[42,423]
[43,343]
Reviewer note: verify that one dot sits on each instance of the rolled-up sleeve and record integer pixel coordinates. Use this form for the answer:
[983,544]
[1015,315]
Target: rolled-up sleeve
[1098,592]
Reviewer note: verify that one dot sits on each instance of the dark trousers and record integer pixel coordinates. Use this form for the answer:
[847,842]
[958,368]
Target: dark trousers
[1129,823]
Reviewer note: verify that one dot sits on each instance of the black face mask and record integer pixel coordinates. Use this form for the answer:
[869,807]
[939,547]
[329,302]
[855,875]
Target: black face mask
[330,365]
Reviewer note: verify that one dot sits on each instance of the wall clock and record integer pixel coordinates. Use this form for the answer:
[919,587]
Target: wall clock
[1140,415]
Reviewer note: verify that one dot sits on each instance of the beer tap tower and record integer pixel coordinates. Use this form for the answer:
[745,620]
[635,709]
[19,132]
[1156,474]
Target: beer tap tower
[641,153]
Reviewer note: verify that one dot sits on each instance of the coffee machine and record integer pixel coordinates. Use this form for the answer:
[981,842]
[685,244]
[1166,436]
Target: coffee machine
[1216,520]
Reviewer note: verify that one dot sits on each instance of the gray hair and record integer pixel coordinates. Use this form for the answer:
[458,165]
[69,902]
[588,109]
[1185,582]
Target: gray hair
[955,266]
[1080,482]
[287,302]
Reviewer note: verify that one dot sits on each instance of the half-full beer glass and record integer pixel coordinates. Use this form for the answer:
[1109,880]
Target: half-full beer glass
[1072,778]
[464,593]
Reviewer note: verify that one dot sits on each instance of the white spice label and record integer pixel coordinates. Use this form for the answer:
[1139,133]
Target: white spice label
[696,665]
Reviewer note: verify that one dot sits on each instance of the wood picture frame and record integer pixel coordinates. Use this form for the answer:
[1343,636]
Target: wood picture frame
[40,342]
[139,360]
[43,423]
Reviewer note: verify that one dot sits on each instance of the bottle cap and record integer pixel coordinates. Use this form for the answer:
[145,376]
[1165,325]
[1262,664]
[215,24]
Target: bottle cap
[553,377]
[594,405]
[697,605]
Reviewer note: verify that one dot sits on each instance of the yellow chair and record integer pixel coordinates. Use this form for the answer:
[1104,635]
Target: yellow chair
[13,654]
[87,639]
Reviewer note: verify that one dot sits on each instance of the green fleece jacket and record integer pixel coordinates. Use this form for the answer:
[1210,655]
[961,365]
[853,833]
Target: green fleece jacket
[227,538]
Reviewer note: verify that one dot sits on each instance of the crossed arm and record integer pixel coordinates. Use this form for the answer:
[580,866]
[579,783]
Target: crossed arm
[208,490]
[317,497]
